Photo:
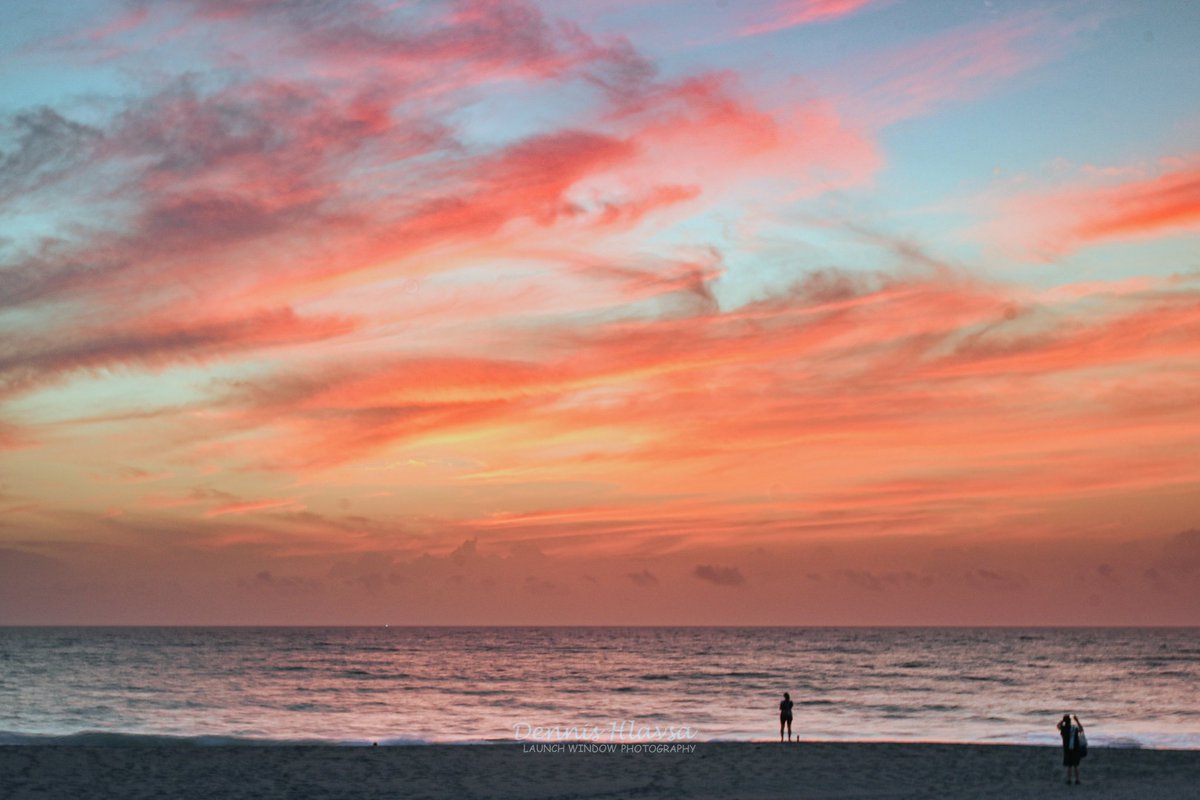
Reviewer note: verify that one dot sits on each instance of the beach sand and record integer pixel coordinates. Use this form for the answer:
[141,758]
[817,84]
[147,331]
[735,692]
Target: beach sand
[713,770]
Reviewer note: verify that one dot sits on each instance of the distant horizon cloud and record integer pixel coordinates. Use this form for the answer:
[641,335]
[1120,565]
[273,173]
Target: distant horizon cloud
[719,576]
[645,578]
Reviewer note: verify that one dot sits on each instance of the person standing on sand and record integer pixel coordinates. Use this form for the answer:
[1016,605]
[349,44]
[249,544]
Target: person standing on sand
[785,716]
[1070,738]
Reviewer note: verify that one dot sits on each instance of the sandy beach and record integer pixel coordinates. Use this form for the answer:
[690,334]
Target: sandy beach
[712,770]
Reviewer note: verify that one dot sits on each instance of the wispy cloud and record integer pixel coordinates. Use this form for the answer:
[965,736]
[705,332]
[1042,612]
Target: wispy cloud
[1101,206]
[790,13]
[957,65]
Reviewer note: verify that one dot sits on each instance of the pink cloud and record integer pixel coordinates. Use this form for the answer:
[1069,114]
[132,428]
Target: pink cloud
[1100,207]
[958,65]
[244,194]
[446,48]
[790,13]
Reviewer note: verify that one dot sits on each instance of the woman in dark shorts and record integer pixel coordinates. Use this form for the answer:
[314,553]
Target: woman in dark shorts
[1070,738]
[785,716]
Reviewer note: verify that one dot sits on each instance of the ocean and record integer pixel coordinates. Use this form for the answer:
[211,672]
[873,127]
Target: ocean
[1129,687]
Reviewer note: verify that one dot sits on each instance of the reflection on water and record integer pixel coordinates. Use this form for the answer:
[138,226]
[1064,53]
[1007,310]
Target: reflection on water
[1131,687]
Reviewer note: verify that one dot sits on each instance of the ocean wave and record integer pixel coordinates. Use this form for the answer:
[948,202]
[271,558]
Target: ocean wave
[123,739]
[287,686]
[1124,743]
[130,739]
[744,675]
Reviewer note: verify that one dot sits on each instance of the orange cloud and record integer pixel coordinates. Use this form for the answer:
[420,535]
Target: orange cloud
[250,506]
[728,403]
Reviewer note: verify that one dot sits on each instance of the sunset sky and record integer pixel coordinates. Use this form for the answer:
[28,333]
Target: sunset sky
[600,312]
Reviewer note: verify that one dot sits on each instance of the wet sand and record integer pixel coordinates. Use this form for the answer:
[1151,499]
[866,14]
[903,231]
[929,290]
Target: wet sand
[712,770]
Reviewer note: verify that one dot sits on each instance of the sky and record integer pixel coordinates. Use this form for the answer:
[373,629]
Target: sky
[796,312]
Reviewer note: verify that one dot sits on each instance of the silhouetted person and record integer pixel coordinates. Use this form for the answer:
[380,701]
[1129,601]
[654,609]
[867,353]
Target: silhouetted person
[785,716]
[1070,732]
